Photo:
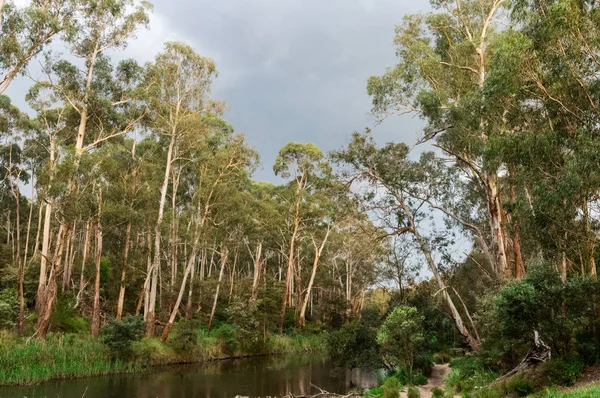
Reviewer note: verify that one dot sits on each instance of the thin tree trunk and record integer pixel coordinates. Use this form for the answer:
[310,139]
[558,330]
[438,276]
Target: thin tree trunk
[150,319]
[86,245]
[290,267]
[124,272]
[49,295]
[30,217]
[98,258]
[224,255]
[257,271]
[175,310]
[235,258]
[307,296]
[38,231]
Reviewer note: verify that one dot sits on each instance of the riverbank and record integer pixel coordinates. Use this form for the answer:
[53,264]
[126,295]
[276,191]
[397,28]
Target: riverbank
[65,356]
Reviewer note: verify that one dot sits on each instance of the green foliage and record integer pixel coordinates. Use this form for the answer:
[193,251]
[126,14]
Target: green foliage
[520,386]
[65,317]
[437,392]
[413,392]
[562,371]
[354,344]
[400,336]
[60,356]
[582,392]
[9,307]
[184,337]
[467,374]
[391,387]
[560,312]
[151,352]
[119,336]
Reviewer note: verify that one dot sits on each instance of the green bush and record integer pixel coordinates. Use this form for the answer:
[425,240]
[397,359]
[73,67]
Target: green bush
[151,352]
[419,379]
[354,344]
[400,337]
[65,317]
[227,336]
[391,387]
[437,392]
[413,392]
[467,373]
[562,371]
[120,335]
[9,307]
[184,337]
[520,386]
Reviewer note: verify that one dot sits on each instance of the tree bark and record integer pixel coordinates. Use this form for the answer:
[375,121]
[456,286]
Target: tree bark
[124,272]
[49,295]
[224,255]
[307,296]
[98,258]
[257,270]
[150,319]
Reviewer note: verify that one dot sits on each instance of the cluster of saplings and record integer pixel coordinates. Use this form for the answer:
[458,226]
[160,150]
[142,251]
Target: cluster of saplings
[413,331]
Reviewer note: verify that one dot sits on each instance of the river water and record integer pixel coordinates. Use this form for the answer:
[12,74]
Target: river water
[255,377]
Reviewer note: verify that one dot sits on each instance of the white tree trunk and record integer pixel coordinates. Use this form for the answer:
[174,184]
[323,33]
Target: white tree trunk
[150,319]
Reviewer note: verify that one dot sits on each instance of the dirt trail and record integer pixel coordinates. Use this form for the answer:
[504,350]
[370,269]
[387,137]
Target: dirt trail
[438,375]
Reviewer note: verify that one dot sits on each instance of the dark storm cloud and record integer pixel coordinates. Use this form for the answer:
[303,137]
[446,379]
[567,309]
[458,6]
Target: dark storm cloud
[295,70]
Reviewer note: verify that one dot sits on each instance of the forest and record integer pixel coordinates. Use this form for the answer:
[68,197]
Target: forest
[133,232]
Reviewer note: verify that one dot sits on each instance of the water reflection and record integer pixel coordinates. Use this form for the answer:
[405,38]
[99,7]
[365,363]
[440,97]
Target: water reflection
[262,376]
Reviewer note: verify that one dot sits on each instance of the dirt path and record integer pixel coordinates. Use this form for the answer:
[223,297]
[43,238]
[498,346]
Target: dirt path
[438,375]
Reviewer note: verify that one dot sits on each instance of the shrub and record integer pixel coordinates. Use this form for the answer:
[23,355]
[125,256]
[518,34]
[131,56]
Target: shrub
[150,352]
[65,317]
[227,336]
[184,337]
[120,335]
[520,386]
[413,392]
[467,373]
[391,387]
[401,336]
[563,371]
[437,392]
[354,345]
[9,307]
[419,379]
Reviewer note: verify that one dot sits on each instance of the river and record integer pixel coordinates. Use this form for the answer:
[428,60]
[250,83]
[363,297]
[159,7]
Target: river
[256,377]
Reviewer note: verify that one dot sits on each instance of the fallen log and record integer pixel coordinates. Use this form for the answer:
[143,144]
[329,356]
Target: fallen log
[540,352]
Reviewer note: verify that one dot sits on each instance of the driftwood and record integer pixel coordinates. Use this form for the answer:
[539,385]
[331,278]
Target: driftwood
[540,352]
[321,394]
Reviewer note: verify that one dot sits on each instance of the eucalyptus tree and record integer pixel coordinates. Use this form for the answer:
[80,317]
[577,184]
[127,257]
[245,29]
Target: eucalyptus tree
[27,31]
[440,76]
[303,164]
[389,186]
[179,82]
[222,170]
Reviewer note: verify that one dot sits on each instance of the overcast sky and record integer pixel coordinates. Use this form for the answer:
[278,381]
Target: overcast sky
[290,70]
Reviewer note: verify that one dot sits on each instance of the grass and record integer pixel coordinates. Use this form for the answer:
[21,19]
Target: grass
[59,357]
[591,391]
[63,356]
[467,374]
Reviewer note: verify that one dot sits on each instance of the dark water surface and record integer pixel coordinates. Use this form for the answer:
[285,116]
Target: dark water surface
[260,376]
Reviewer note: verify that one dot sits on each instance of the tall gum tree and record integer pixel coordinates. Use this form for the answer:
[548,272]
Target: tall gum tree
[388,184]
[179,82]
[440,77]
[301,163]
